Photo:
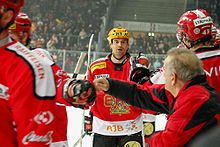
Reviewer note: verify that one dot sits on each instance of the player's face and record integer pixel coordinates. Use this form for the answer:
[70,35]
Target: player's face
[119,47]
[19,36]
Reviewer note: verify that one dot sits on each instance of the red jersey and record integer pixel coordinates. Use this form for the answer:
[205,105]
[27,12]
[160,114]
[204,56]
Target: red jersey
[7,130]
[210,57]
[112,116]
[30,90]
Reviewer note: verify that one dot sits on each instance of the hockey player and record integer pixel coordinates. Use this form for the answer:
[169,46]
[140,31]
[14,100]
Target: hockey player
[193,111]
[29,92]
[115,123]
[195,32]
[20,30]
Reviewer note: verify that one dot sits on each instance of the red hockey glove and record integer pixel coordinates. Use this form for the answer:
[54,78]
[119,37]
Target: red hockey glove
[79,92]
[140,69]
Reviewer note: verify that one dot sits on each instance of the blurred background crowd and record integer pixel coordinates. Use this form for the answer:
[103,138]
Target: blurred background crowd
[64,27]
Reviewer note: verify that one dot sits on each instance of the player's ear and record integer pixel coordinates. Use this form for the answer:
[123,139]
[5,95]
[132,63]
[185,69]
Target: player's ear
[173,79]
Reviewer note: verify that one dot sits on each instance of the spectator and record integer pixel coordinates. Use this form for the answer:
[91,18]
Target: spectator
[51,44]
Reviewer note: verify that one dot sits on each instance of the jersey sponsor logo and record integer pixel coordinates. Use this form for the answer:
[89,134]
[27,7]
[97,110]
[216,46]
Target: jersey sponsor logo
[131,125]
[45,117]
[119,34]
[115,128]
[213,71]
[148,128]
[132,144]
[33,137]
[44,55]
[102,76]
[42,71]
[116,106]
[202,21]
[119,128]
[100,65]
[4,92]
[61,73]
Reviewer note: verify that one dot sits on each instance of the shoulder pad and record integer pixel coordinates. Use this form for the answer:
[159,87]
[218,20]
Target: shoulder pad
[98,64]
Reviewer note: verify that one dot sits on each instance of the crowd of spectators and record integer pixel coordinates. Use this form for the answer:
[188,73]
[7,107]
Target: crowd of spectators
[149,43]
[213,9]
[65,24]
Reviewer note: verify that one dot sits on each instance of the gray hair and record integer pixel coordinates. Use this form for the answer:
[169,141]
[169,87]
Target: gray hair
[184,63]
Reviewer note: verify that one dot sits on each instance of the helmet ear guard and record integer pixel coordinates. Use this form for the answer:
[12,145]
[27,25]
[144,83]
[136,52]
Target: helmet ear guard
[118,33]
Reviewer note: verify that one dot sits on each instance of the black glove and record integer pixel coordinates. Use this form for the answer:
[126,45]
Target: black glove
[79,93]
[140,69]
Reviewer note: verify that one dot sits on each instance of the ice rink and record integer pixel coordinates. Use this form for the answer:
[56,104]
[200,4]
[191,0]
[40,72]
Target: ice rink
[74,128]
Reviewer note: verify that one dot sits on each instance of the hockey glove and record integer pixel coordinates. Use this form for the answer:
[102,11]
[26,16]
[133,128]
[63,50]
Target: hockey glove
[79,92]
[140,69]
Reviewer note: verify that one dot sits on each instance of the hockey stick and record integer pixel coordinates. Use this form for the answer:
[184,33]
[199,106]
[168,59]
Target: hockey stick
[79,64]
[78,141]
[89,51]
[88,63]
[83,134]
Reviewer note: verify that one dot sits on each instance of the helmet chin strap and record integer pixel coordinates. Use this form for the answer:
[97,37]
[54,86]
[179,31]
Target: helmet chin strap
[191,44]
[186,45]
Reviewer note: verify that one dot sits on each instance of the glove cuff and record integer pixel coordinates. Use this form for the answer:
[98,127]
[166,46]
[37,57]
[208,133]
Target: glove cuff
[66,88]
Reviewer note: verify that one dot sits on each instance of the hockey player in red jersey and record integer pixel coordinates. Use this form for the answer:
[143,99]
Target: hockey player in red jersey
[115,123]
[195,32]
[194,108]
[20,30]
[29,92]
[202,39]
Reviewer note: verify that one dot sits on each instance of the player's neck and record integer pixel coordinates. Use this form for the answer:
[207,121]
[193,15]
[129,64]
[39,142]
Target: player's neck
[117,60]
[3,34]
[200,45]
[4,38]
